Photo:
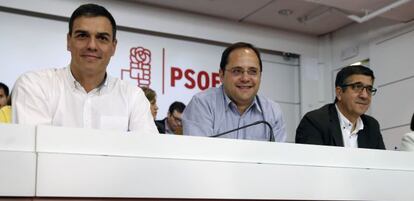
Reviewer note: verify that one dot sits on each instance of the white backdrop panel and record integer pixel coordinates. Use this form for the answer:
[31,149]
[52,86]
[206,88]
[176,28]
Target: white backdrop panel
[292,118]
[393,104]
[391,58]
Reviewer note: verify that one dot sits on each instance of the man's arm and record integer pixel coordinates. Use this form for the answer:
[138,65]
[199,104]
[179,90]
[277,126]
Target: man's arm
[30,103]
[141,119]
[308,132]
[407,143]
[279,126]
[197,118]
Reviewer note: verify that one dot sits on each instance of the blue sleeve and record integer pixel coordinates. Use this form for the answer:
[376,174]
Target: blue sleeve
[197,118]
[279,127]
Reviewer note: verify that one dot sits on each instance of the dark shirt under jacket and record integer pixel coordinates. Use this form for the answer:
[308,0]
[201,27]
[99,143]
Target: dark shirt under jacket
[322,127]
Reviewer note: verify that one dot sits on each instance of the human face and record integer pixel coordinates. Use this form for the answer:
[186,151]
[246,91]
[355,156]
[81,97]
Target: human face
[174,122]
[154,108]
[91,45]
[3,98]
[241,87]
[351,102]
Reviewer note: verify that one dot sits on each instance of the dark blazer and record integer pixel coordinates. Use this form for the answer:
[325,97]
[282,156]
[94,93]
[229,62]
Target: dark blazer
[161,125]
[322,127]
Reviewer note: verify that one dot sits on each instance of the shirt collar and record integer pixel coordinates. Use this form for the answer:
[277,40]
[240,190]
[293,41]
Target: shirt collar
[167,127]
[346,124]
[75,85]
[229,103]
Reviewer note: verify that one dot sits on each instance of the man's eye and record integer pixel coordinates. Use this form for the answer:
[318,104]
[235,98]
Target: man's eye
[358,86]
[252,72]
[237,71]
[81,35]
[103,38]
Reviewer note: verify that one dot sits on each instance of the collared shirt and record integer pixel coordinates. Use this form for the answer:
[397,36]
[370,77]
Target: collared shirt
[349,136]
[54,97]
[167,127]
[212,112]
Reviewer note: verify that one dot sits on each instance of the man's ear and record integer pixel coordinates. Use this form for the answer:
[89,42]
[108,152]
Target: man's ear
[67,42]
[221,74]
[338,92]
[115,42]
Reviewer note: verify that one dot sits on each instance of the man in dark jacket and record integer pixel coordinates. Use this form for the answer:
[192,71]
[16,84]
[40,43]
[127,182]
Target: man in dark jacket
[343,123]
[172,123]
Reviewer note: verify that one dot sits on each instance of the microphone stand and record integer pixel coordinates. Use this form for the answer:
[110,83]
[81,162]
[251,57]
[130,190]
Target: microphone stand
[271,138]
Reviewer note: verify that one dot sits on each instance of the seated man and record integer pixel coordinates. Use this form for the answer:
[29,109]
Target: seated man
[83,94]
[343,123]
[172,123]
[235,104]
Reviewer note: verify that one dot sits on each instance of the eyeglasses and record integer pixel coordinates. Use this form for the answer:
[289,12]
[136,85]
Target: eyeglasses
[359,87]
[177,119]
[238,71]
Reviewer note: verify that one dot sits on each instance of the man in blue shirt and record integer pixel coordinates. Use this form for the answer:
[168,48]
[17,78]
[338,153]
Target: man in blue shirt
[235,104]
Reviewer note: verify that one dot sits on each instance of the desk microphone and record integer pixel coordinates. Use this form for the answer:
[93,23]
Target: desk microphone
[271,139]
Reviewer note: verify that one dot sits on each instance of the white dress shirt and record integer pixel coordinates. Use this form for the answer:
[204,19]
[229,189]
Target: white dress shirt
[349,136]
[54,97]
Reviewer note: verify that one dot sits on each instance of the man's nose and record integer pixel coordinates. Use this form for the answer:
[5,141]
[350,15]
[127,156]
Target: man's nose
[92,44]
[245,76]
[365,93]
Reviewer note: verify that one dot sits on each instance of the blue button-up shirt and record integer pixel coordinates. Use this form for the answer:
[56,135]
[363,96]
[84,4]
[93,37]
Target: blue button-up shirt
[212,112]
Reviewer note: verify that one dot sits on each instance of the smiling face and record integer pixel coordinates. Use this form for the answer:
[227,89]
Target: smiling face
[241,78]
[351,102]
[91,45]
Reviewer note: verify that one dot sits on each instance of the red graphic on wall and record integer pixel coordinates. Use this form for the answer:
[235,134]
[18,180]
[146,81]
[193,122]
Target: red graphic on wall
[139,66]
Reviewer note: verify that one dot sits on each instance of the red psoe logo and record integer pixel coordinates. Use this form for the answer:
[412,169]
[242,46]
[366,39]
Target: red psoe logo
[139,66]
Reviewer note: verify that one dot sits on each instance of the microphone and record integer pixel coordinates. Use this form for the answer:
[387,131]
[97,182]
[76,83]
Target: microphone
[271,138]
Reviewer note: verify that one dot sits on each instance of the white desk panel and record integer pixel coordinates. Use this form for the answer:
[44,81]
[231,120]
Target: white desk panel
[17,173]
[97,142]
[15,137]
[77,175]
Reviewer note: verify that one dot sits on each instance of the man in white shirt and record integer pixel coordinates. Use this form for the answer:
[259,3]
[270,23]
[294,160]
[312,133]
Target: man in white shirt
[83,94]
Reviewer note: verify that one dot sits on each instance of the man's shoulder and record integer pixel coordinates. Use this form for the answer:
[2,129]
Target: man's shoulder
[321,113]
[369,120]
[268,104]
[124,86]
[43,76]
[267,101]
[208,94]
[44,73]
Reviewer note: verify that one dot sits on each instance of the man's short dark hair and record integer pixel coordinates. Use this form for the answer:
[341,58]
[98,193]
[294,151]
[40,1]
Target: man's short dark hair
[346,72]
[5,88]
[176,106]
[238,45]
[92,10]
